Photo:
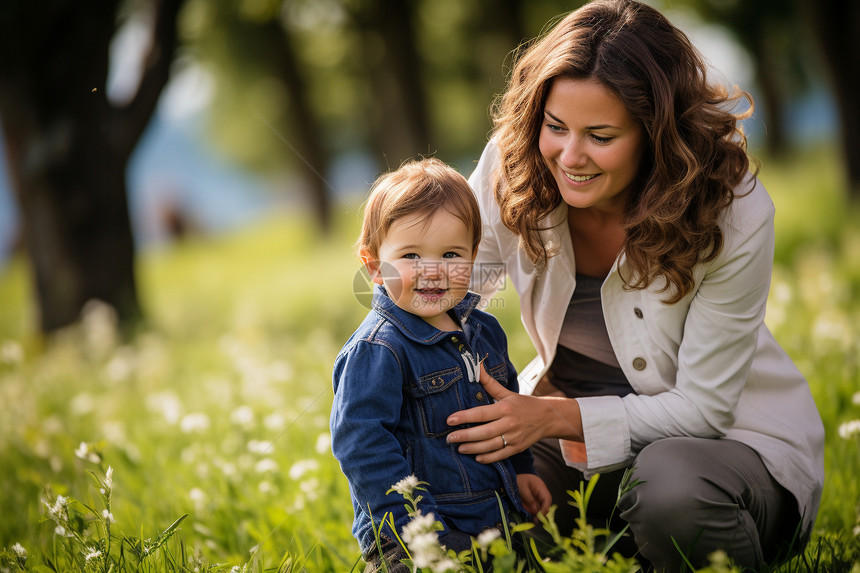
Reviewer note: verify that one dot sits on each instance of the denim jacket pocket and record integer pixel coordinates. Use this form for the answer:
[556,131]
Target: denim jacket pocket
[437,396]
[500,373]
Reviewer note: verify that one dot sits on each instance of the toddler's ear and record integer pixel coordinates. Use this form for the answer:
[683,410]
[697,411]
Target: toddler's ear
[371,264]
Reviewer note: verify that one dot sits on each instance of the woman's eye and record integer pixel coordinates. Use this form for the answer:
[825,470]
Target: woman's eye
[554,127]
[600,138]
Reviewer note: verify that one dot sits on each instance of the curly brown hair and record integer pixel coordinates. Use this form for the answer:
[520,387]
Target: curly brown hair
[695,155]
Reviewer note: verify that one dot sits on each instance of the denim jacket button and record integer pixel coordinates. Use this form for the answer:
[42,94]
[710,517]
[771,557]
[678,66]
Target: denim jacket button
[455,340]
[461,347]
[480,396]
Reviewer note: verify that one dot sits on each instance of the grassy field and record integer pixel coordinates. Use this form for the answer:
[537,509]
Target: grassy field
[218,409]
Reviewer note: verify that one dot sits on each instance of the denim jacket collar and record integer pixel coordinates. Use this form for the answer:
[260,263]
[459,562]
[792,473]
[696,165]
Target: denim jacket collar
[414,327]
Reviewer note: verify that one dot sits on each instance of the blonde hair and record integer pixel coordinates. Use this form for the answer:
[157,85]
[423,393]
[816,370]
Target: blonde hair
[695,152]
[418,187]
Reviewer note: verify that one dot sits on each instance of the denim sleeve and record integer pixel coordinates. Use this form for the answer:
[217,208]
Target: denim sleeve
[368,396]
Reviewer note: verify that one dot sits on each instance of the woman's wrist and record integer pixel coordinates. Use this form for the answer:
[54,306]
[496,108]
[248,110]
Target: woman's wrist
[563,418]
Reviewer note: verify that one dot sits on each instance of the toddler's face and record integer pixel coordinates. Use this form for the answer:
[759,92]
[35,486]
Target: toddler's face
[425,265]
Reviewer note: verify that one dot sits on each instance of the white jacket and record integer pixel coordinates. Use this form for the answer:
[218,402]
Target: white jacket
[706,366]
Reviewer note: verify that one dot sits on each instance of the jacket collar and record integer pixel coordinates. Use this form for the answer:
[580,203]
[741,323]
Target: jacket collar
[414,327]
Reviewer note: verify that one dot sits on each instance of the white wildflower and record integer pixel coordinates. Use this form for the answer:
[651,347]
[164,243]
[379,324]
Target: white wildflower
[419,524]
[301,467]
[266,465]
[406,486]
[194,422]
[265,487]
[167,403]
[275,422]
[198,497]
[310,488]
[86,453]
[443,565]
[260,446]
[849,430]
[57,510]
[323,445]
[60,530]
[19,550]
[109,478]
[855,399]
[228,469]
[486,537]
[11,352]
[243,416]
[93,553]
[82,404]
[108,516]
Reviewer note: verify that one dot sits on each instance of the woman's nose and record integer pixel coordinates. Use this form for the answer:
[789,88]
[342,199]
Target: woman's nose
[573,154]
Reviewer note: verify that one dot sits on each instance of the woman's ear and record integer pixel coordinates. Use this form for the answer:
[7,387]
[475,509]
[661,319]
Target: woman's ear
[371,264]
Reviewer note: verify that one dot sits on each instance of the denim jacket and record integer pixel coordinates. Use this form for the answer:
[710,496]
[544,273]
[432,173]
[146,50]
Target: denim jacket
[396,380]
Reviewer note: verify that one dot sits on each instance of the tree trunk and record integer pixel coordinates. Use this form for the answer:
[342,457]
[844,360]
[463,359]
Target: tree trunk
[835,23]
[400,120]
[76,224]
[68,148]
[310,149]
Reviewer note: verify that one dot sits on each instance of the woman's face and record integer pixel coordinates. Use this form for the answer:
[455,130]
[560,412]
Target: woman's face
[591,144]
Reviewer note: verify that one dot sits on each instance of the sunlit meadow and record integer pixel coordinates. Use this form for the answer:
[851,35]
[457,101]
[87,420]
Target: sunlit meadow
[216,413]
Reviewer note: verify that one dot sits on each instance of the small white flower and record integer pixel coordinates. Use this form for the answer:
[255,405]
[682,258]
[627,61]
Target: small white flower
[60,530]
[260,446]
[301,467]
[11,352]
[86,453]
[406,486]
[323,445]
[19,550]
[486,537]
[93,553]
[855,399]
[419,524]
[108,516]
[109,478]
[243,416]
[443,565]
[194,422]
[849,430]
[266,465]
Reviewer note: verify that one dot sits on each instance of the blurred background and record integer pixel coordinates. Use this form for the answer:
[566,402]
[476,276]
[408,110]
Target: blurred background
[131,124]
[200,166]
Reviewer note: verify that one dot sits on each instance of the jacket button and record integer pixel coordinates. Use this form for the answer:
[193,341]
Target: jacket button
[639,363]
[461,347]
[455,340]
[480,396]
[638,312]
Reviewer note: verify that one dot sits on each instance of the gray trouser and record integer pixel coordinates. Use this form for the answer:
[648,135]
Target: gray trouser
[703,494]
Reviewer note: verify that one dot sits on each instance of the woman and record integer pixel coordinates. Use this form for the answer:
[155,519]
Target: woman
[616,194]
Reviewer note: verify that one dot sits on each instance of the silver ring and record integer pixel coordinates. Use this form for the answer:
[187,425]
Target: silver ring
[504,441]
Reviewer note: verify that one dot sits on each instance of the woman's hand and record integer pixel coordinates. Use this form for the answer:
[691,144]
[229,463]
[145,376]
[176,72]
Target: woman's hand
[513,423]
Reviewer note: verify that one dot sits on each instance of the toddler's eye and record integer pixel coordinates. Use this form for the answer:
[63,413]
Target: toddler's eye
[450,255]
[410,256]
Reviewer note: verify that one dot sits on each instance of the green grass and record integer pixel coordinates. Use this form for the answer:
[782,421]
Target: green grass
[219,408]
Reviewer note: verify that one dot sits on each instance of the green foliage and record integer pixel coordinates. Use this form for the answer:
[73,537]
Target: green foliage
[218,409]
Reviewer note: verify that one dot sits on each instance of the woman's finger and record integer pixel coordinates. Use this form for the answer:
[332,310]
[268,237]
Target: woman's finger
[492,386]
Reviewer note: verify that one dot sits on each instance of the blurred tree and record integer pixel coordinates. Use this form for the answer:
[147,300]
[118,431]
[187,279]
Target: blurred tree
[835,24]
[68,147]
[768,31]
